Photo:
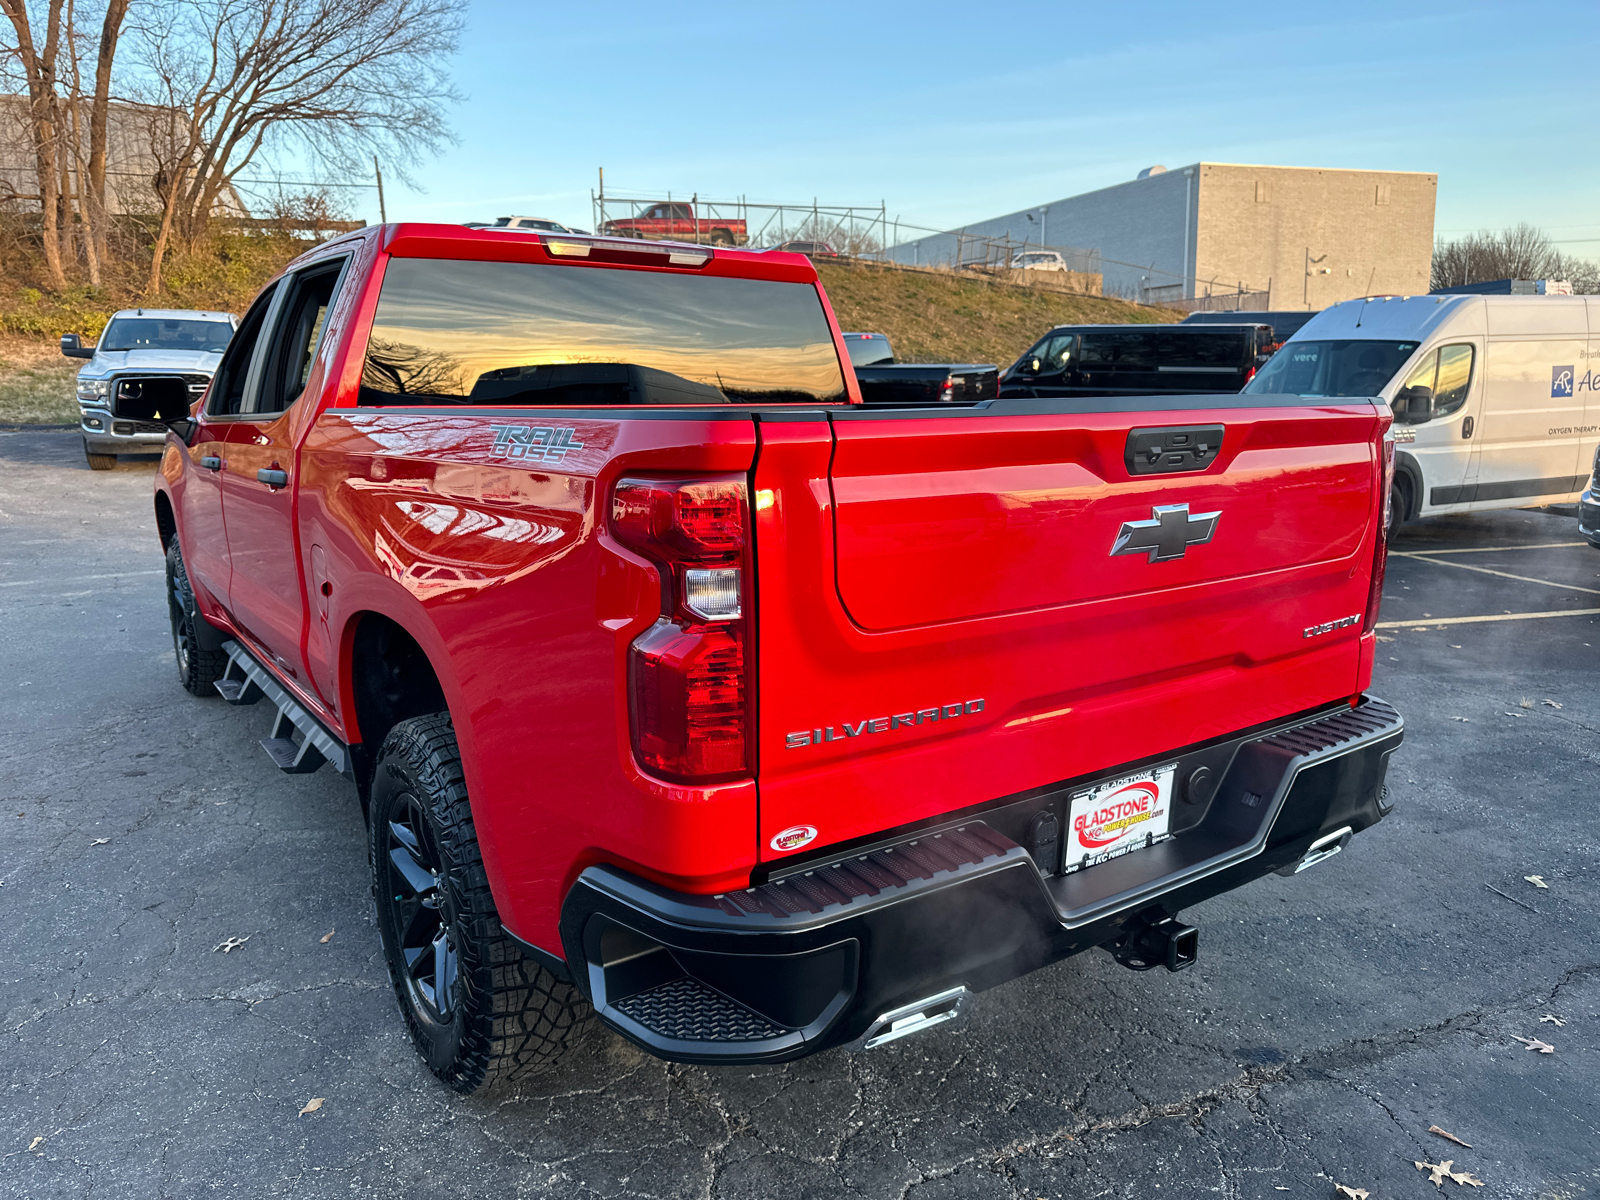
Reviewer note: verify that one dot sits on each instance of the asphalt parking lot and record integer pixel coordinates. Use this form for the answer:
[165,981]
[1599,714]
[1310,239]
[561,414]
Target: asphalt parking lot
[1331,1020]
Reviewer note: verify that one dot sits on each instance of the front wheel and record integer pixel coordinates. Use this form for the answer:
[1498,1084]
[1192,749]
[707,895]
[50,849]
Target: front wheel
[99,462]
[477,1008]
[200,664]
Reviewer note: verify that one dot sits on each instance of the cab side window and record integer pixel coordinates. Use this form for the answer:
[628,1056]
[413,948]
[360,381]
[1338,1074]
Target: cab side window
[1054,354]
[300,325]
[1454,379]
[227,391]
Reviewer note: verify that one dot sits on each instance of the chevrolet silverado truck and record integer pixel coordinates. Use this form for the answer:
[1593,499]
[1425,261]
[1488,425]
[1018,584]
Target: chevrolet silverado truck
[885,381]
[678,222]
[685,690]
[142,347]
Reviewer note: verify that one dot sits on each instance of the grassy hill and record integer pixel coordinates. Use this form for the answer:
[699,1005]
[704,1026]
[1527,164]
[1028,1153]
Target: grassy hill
[938,317]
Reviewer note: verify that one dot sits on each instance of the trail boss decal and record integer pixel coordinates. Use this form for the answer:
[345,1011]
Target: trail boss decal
[1116,817]
[534,443]
[838,733]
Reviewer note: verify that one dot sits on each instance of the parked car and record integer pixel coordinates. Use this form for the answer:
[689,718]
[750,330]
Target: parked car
[1138,360]
[1589,506]
[1284,324]
[884,381]
[140,354]
[1039,260]
[676,222]
[541,224]
[809,249]
[1496,401]
[1017,679]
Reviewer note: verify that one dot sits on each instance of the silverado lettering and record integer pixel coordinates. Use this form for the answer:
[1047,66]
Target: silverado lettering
[549,651]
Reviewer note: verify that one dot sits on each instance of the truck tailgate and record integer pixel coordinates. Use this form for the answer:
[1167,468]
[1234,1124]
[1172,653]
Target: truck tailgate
[961,569]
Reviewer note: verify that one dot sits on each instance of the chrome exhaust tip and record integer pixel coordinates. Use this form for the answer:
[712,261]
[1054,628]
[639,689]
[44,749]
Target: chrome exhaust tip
[912,1018]
[1321,850]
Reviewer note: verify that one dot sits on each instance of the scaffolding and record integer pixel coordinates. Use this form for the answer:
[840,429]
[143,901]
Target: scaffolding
[858,230]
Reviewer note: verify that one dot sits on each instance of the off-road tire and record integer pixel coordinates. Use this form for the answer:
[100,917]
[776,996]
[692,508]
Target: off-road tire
[505,1014]
[198,667]
[99,462]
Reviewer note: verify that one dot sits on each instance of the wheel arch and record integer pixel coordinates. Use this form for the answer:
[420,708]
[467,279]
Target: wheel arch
[1406,468]
[389,677]
[166,519]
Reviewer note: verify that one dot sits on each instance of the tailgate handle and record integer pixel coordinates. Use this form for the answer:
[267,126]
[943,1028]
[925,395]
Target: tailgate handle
[1174,448]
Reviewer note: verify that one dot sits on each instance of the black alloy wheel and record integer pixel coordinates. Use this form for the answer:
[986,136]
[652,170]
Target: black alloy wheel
[198,667]
[477,1008]
[418,913]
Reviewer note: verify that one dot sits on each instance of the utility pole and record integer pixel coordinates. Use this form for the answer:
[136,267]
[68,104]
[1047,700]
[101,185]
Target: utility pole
[383,216]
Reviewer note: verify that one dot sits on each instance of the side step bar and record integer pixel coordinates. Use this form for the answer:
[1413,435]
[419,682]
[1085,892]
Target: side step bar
[247,681]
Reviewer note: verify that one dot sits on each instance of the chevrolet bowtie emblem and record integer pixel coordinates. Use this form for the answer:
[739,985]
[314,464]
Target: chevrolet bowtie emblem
[1170,531]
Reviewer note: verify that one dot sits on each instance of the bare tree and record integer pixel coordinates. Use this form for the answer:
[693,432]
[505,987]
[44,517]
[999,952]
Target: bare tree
[38,61]
[227,82]
[1521,252]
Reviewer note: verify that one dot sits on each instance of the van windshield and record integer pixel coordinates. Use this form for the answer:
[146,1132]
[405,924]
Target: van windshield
[449,332]
[1342,368]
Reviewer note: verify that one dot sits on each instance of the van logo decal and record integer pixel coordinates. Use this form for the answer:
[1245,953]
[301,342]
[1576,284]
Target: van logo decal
[1168,534]
[1561,381]
[793,838]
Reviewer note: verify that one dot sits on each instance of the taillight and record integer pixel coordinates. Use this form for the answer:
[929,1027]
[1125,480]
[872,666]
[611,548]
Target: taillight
[688,693]
[1380,555]
[951,383]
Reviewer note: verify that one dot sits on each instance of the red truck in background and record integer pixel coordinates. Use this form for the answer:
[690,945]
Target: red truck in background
[676,222]
[683,689]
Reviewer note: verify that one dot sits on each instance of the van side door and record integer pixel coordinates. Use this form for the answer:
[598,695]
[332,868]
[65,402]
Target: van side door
[1528,441]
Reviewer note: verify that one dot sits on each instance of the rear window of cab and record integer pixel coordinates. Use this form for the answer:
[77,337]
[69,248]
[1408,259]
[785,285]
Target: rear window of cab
[506,334]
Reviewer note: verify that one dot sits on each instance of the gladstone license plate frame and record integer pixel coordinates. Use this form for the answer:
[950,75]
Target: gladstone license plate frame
[1117,816]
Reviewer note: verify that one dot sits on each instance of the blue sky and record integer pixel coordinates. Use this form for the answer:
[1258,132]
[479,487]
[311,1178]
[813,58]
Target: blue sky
[954,113]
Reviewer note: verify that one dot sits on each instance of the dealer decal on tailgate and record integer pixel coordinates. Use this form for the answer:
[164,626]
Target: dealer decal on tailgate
[1118,816]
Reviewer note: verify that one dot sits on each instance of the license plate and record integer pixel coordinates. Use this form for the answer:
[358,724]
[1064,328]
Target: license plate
[1112,818]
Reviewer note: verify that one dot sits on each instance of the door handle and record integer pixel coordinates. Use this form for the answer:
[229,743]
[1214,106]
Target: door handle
[1466,428]
[273,478]
[211,462]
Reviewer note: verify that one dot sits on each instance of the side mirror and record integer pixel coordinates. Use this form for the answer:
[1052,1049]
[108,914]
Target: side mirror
[1413,405]
[72,346]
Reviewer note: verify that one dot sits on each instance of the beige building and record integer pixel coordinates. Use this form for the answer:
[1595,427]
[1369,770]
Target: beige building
[1285,237]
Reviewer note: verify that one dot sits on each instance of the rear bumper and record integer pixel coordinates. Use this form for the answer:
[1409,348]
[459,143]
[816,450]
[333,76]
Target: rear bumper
[816,958]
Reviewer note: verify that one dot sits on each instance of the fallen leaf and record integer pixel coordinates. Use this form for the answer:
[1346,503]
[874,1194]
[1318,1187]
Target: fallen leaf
[1551,703]
[1509,713]
[1461,718]
[1339,1189]
[311,1106]
[328,937]
[1455,647]
[34,1145]
[1525,702]
[229,945]
[1552,1019]
[1535,1044]
[100,841]
[1381,638]
[1440,1171]
[1445,1133]
[1536,880]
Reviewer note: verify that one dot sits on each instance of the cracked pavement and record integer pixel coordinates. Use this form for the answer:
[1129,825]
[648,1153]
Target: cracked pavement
[1332,1018]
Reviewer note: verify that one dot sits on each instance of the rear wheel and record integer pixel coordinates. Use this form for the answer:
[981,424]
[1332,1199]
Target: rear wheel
[198,666]
[478,1010]
[99,462]
[721,237]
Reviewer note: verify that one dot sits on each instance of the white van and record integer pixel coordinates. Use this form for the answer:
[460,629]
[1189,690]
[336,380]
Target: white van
[1496,398]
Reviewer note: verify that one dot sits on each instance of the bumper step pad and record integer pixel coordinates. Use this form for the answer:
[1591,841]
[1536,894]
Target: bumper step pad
[247,681]
[687,1010]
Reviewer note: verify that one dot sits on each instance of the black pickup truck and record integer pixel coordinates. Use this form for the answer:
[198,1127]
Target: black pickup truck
[884,381]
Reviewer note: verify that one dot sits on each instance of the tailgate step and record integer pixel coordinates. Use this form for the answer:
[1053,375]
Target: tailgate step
[247,681]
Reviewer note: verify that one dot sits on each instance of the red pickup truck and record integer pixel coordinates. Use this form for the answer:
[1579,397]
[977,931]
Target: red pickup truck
[682,688]
[678,223]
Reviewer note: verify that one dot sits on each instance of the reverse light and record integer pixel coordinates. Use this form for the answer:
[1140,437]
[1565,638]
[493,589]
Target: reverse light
[688,691]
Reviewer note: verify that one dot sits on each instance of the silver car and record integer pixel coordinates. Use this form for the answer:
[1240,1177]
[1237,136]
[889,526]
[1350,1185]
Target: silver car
[141,344]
